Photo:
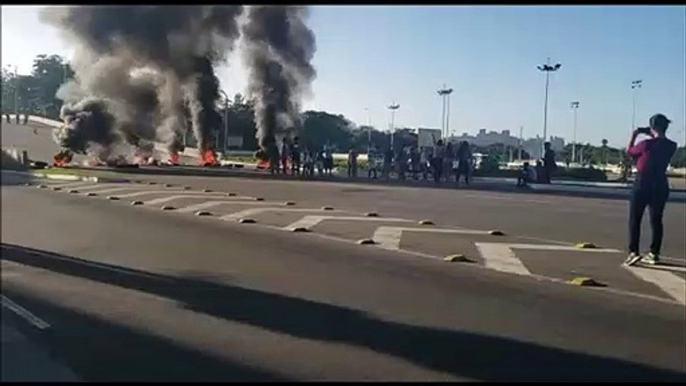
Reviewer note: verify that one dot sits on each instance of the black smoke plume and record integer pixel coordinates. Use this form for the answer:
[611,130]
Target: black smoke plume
[179,47]
[83,126]
[279,48]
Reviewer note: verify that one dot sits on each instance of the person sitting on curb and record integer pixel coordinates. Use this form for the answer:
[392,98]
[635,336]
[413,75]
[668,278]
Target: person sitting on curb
[526,174]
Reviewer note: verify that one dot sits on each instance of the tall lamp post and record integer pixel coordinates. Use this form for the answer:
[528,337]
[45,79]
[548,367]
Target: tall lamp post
[226,120]
[445,113]
[575,107]
[369,131]
[547,68]
[16,93]
[393,107]
[635,85]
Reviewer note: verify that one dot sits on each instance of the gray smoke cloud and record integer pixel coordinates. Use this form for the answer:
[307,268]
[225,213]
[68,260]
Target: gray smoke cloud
[279,48]
[178,46]
[82,126]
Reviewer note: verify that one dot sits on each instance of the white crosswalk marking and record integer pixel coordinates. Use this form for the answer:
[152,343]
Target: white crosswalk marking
[163,200]
[210,204]
[310,221]
[256,211]
[119,188]
[668,282]
[389,237]
[189,193]
[501,257]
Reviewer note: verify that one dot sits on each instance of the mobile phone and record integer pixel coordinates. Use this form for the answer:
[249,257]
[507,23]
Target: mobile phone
[643,130]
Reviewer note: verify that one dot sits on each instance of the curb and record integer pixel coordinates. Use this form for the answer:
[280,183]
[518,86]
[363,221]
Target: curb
[66,177]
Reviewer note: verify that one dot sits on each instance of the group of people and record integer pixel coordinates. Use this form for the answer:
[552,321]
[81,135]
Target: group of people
[16,118]
[295,159]
[442,162]
[543,171]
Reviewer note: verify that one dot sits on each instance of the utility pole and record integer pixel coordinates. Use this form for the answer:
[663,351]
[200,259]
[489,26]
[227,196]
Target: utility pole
[445,114]
[369,131]
[635,85]
[575,107]
[226,121]
[16,93]
[521,141]
[547,68]
[393,107]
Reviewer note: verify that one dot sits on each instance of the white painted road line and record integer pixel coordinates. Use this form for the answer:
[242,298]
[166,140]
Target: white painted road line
[119,188]
[308,222]
[196,194]
[72,184]
[24,313]
[255,211]
[542,247]
[163,200]
[210,204]
[671,284]
[389,237]
[501,257]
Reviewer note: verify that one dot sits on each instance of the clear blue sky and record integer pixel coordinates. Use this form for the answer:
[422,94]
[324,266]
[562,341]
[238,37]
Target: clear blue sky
[369,56]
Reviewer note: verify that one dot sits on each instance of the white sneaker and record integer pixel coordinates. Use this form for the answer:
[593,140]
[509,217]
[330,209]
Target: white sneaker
[651,259]
[632,259]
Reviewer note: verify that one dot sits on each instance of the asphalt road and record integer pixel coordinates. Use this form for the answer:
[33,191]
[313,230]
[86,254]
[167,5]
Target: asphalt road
[134,292]
[148,295]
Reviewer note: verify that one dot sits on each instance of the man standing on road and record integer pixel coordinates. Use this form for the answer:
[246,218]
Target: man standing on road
[651,187]
[295,156]
[438,160]
[352,163]
[548,162]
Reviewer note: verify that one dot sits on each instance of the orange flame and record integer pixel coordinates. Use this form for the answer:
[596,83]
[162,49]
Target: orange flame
[62,159]
[209,158]
[174,158]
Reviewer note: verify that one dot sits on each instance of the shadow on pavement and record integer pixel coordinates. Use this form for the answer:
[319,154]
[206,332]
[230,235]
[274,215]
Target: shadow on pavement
[97,350]
[463,354]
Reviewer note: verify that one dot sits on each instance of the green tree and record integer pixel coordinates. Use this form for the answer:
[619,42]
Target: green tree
[49,73]
[679,158]
[320,128]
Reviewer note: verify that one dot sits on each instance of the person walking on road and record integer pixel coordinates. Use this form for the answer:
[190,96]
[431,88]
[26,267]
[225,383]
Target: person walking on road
[549,164]
[464,163]
[438,160]
[295,153]
[285,155]
[352,163]
[651,187]
[372,163]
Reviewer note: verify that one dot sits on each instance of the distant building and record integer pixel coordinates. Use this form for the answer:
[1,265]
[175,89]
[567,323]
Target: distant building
[531,145]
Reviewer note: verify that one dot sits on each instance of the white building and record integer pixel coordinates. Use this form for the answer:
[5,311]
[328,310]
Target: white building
[531,145]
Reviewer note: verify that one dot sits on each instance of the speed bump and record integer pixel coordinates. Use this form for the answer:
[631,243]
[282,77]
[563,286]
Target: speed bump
[372,214]
[231,194]
[366,242]
[327,208]
[136,202]
[56,188]
[586,282]
[186,188]
[457,258]
[246,221]
[426,222]
[27,184]
[289,203]
[42,186]
[207,190]
[73,191]
[168,185]
[496,233]
[152,183]
[113,198]
[259,199]
[91,194]
[168,207]
[300,229]
[586,246]
[203,213]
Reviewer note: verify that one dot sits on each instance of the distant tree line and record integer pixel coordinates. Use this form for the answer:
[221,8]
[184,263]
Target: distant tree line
[35,94]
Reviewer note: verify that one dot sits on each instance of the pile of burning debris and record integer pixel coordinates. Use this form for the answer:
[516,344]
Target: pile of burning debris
[208,158]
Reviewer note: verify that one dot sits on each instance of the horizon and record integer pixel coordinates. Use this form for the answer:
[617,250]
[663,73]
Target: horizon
[488,55]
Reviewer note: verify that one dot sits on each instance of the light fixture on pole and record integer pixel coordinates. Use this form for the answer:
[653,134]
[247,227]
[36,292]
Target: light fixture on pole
[16,93]
[635,85]
[547,68]
[521,141]
[445,114]
[393,107]
[226,121]
[575,107]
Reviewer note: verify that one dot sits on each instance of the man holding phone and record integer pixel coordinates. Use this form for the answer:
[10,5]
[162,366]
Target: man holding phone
[651,187]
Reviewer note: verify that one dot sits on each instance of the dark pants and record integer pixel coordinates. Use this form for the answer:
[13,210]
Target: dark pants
[462,170]
[438,169]
[654,196]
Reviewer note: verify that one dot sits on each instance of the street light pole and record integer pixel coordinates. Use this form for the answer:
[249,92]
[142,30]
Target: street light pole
[575,106]
[226,120]
[393,107]
[635,85]
[369,131]
[547,68]
[16,93]
[521,140]
[445,117]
